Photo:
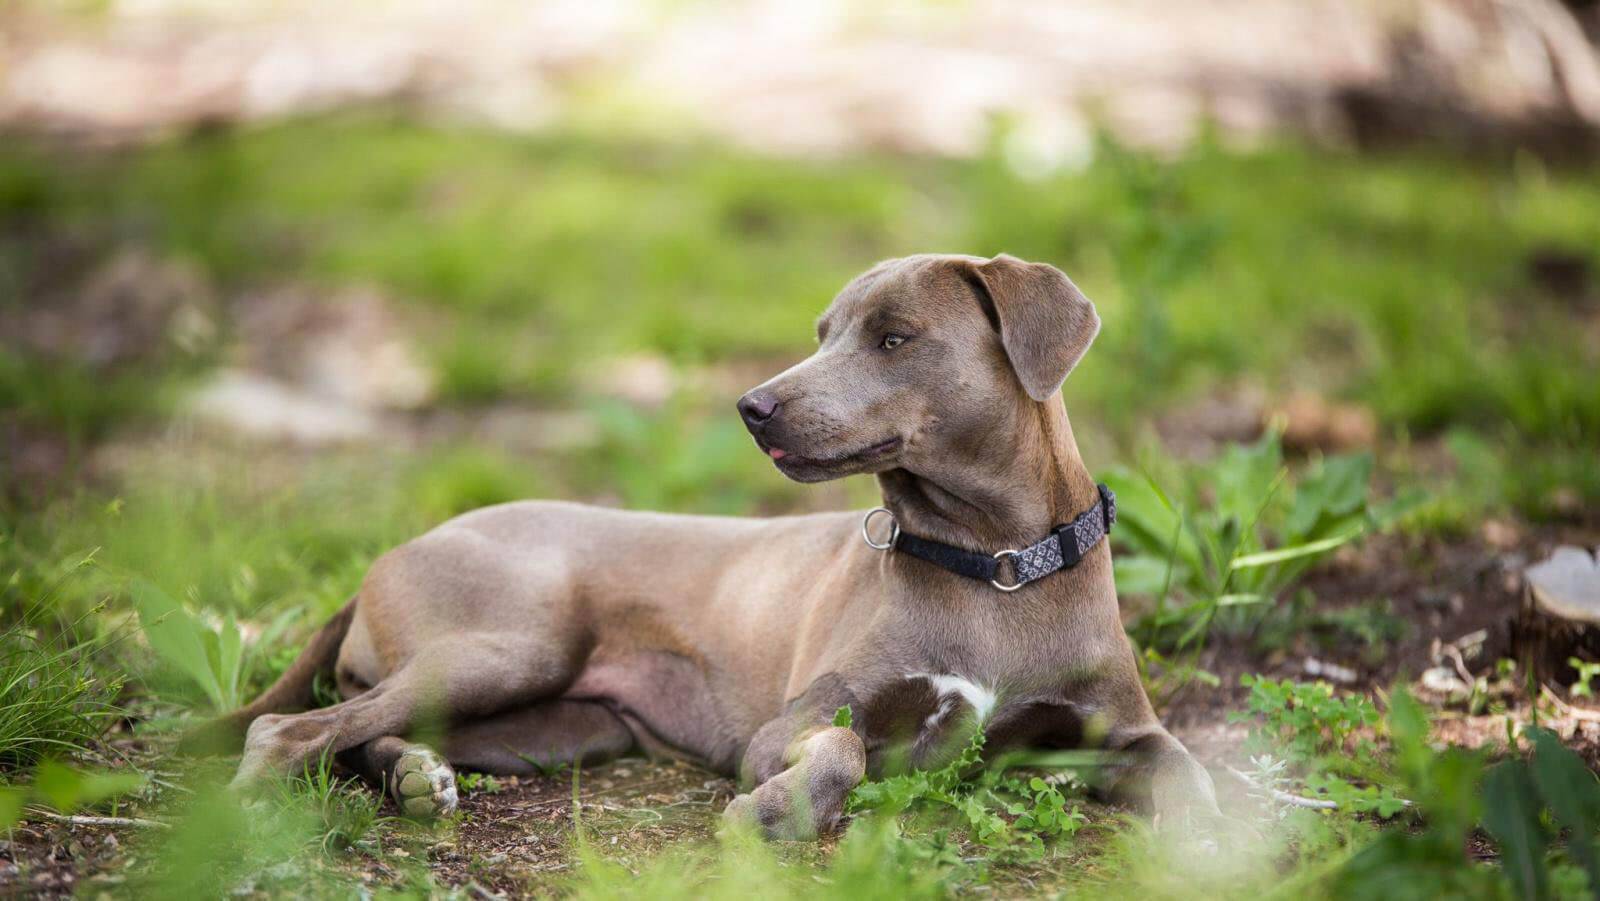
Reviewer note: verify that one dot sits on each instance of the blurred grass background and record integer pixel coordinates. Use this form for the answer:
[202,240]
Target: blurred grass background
[528,270]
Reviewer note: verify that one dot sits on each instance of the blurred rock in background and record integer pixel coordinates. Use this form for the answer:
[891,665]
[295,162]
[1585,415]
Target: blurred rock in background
[313,370]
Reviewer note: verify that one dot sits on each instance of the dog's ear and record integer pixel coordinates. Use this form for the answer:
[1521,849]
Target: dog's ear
[1045,323]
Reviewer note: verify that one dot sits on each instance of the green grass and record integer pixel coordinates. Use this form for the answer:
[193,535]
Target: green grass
[58,688]
[51,702]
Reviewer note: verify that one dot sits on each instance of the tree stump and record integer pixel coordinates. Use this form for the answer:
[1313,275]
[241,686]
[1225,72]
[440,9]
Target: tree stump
[1560,616]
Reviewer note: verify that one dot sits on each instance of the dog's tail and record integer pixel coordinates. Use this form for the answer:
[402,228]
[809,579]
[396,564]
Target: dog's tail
[292,691]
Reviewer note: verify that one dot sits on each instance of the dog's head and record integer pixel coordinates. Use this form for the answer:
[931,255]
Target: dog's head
[918,361]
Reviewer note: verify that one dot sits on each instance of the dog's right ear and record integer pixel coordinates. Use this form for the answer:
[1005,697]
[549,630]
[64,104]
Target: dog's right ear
[1046,324]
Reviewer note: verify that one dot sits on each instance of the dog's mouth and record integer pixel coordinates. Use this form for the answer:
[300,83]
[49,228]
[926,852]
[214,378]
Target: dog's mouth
[798,465]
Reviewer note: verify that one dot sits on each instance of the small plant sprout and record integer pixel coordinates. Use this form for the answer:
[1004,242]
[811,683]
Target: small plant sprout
[1587,672]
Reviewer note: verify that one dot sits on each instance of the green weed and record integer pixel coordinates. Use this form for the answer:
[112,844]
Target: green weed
[1520,802]
[292,836]
[457,480]
[1013,817]
[1329,738]
[343,811]
[1587,672]
[213,657]
[472,783]
[1237,532]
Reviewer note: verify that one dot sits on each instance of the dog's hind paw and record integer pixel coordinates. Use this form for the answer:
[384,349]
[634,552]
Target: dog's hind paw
[423,784]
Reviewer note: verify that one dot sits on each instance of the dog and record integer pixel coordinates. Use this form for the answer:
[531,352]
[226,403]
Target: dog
[542,633]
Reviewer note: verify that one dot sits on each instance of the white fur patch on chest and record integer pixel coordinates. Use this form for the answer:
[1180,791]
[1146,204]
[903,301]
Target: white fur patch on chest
[952,688]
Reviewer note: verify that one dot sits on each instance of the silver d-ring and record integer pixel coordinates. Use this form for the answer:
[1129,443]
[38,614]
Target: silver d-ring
[894,529]
[1001,555]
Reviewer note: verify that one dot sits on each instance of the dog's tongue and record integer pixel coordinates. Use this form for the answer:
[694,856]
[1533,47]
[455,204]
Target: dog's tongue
[778,453]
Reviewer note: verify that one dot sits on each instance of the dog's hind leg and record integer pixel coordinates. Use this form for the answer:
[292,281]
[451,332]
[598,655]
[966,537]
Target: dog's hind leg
[519,742]
[416,776]
[539,737]
[458,675]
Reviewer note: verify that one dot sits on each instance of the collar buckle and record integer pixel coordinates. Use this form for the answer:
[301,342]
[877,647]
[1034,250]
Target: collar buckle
[866,531]
[998,558]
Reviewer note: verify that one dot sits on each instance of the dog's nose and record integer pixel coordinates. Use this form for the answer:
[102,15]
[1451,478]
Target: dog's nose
[757,407]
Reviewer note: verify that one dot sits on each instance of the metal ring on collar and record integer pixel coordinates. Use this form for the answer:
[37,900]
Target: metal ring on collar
[894,529]
[1001,555]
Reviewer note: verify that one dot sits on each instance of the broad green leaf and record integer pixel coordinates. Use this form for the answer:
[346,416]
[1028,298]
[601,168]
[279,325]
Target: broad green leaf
[1338,487]
[1511,815]
[230,653]
[1573,795]
[176,637]
[843,717]
[1408,727]
[1244,476]
[1141,574]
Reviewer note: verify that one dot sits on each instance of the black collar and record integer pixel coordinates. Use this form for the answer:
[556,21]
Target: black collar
[1061,549]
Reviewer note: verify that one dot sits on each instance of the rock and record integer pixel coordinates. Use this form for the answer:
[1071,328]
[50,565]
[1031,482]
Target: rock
[1442,683]
[646,380]
[1333,672]
[349,346]
[1312,422]
[314,369]
[1199,429]
[1500,534]
[263,408]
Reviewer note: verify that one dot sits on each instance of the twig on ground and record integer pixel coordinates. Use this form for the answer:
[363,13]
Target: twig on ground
[1577,713]
[177,788]
[76,820]
[1283,797]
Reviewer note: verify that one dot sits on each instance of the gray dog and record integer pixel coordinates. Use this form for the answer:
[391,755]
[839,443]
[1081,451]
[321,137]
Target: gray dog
[545,633]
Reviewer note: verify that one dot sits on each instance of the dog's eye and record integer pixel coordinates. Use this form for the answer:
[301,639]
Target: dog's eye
[890,342]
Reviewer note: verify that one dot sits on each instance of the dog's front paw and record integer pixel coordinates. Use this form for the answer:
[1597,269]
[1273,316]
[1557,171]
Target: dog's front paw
[423,784]
[1203,832]
[778,811]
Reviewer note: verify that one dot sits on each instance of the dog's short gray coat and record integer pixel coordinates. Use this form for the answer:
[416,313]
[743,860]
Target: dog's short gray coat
[549,632]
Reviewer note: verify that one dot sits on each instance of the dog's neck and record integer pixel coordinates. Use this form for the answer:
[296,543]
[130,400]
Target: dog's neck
[992,501]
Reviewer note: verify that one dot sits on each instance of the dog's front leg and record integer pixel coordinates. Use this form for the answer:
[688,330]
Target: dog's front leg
[1164,777]
[806,796]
